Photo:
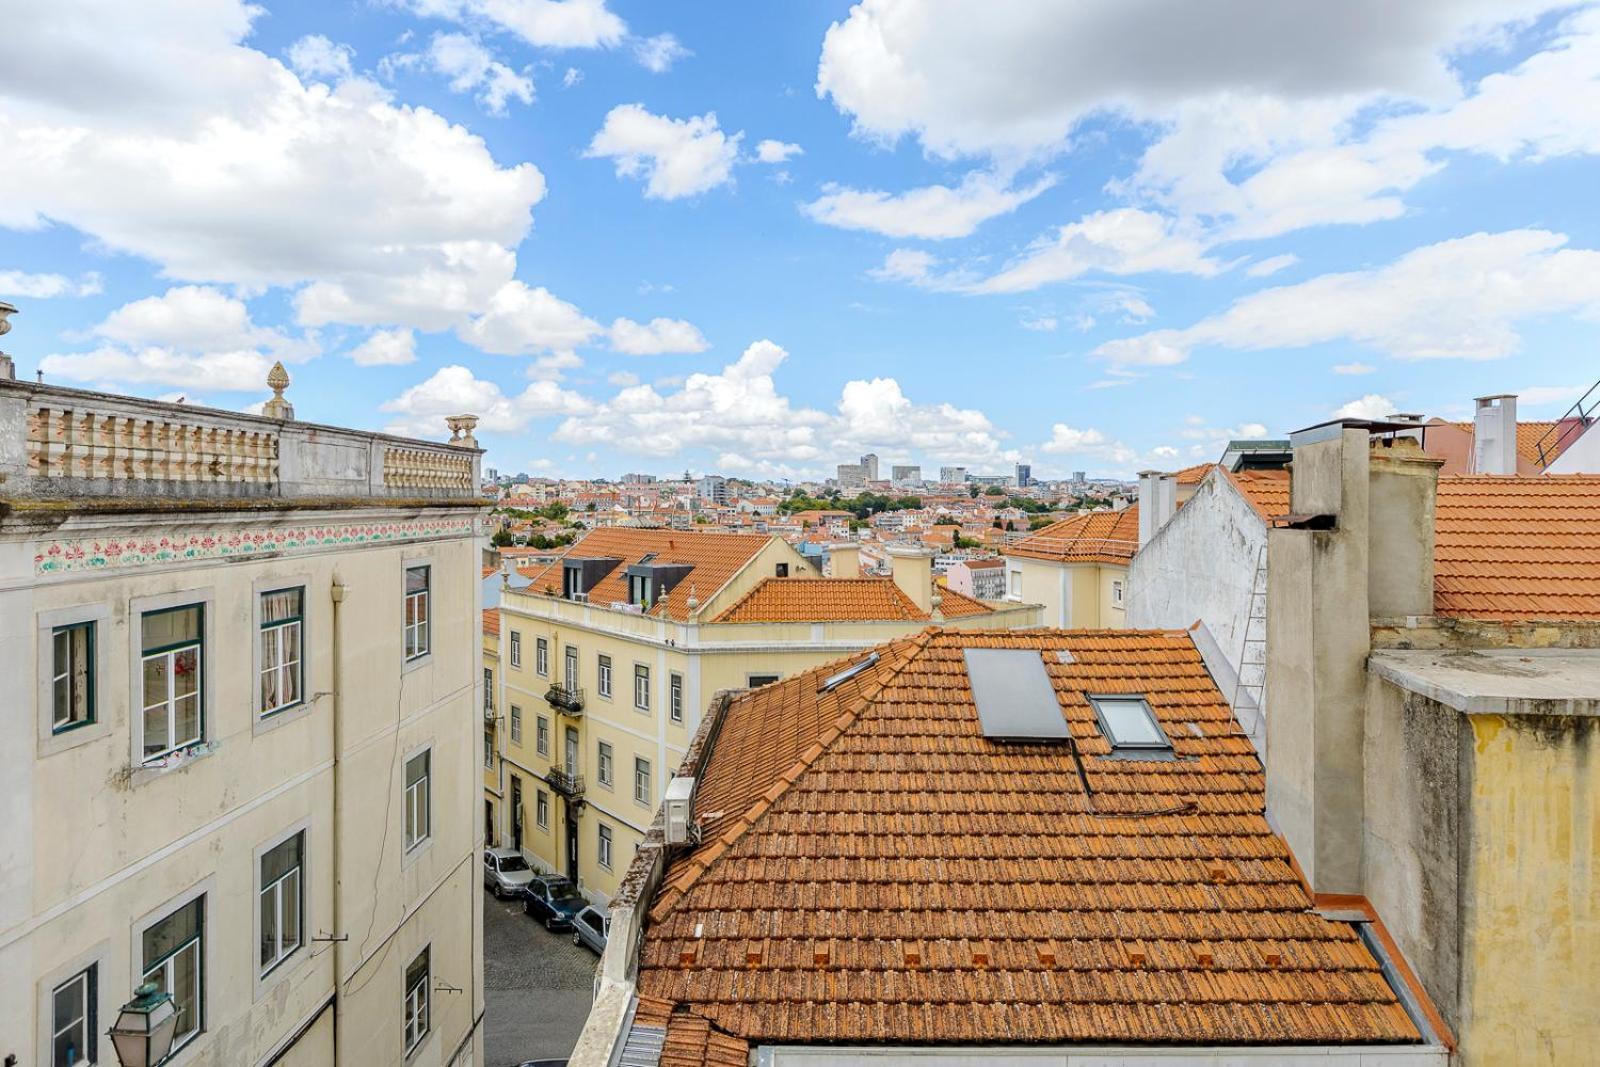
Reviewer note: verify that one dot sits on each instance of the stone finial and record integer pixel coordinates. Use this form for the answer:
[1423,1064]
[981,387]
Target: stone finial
[277,407]
[694,599]
[8,370]
[461,427]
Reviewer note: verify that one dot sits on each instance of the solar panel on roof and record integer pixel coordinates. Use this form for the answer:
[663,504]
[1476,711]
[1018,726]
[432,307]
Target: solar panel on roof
[1015,699]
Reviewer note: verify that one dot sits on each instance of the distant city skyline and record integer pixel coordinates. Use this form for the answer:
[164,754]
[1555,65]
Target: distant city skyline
[763,241]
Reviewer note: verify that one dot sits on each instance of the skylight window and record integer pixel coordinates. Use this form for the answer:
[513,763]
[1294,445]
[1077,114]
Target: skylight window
[1129,724]
[848,673]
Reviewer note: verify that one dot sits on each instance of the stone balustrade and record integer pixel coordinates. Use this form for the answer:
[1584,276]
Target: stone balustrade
[416,468]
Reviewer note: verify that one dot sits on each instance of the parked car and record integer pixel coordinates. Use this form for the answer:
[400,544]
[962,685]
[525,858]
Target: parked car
[505,872]
[553,900]
[591,927]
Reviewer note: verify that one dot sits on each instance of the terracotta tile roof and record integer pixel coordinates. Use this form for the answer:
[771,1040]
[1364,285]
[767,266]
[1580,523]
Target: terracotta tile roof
[1510,548]
[1266,490]
[838,599]
[689,1040]
[487,571]
[1194,475]
[1091,537]
[958,605]
[1529,434]
[716,557]
[873,869]
[491,621]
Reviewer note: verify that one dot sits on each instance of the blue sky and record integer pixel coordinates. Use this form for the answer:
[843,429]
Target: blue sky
[762,239]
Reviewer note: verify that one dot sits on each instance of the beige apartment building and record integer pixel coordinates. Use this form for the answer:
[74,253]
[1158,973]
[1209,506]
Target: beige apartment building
[242,672]
[607,659]
[1076,569]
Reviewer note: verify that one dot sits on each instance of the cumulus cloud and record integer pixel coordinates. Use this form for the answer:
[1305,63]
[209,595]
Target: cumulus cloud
[1461,298]
[219,164]
[657,54]
[472,68]
[386,348]
[675,157]
[47,286]
[770,151]
[452,390]
[522,320]
[314,56]
[657,337]
[932,212]
[1371,406]
[542,23]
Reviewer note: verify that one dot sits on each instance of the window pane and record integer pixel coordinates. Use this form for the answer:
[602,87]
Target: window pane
[416,768]
[185,988]
[155,680]
[416,579]
[291,912]
[160,629]
[156,721]
[70,1002]
[1130,723]
[186,671]
[281,859]
[279,605]
[269,925]
[186,714]
[164,937]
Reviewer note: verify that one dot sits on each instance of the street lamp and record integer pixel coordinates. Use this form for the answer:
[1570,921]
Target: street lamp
[145,1027]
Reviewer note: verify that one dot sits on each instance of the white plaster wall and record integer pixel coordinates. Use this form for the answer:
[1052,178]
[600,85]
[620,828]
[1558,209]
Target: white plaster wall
[1201,565]
[1581,457]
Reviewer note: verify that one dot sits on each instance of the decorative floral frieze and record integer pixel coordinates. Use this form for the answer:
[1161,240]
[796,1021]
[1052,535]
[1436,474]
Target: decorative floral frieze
[95,553]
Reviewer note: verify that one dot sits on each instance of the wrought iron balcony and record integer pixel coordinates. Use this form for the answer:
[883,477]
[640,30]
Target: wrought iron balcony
[565,700]
[566,781]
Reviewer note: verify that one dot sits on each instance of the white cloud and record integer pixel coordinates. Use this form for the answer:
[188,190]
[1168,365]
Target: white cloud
[47,286]
[622,378]
[472,68]
[110,365]
[1272,265]
[1353,368]
[218,164]
[770,151]
[932,212]
[453,390]
[314,56]
[1064,438]
[572,77]
[554,367]
[657,54]
[1019,78]
[543,23]
[386,348]
[1461,298]
[675,157]
[1042,323]
[909,265]
[877,414]
[657,337]
[1372,406]
[1562,396]
[523,320]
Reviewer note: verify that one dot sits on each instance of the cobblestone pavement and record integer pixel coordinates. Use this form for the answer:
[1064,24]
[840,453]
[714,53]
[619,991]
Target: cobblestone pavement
[537,987]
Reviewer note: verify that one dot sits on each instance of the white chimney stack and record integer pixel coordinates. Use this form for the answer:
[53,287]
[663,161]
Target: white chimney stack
[1494,435]
[1158,502]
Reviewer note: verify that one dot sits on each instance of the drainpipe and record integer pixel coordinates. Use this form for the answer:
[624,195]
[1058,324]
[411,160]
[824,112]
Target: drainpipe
[336,592]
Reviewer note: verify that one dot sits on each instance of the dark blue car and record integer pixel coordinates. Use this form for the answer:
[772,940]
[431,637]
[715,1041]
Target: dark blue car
[553,900]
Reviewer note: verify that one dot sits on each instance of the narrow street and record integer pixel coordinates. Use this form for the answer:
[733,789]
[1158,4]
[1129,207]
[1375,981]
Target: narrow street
[537,987]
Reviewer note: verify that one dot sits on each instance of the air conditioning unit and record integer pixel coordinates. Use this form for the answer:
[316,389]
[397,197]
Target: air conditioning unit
[678,811]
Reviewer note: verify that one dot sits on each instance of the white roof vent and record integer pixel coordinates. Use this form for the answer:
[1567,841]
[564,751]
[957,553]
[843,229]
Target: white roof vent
[677,812]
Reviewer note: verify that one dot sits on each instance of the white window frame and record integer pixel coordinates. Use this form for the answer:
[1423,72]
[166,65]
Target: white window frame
[675,696]
[280,585]
[206,890]
[516,648]
[1118,592]
[488,750]
[416,1010]
[417,804]
[605,763]
[92,963]
[51,741]
[138,608]
[641,785]
[570,667]
[285,963]
[541,657]
[602,854]
[424,627]
[602,668]
[541,734]
[516,724]
[641,687]
[541,809]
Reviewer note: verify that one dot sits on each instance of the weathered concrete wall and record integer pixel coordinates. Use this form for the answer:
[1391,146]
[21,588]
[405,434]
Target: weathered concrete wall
[1202,566]
[1415,834]
[1531,891]
[1403,487]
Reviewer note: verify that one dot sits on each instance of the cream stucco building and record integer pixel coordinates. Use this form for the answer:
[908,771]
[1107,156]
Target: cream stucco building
[1076,569]
[604,663]
[242,675]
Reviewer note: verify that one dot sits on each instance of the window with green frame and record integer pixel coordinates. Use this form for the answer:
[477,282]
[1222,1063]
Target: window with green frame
[174,959]
[172,710]
[282,643]
[73,676]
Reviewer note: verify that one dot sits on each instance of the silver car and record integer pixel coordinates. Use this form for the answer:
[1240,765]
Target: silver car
[591,927]
[505,872]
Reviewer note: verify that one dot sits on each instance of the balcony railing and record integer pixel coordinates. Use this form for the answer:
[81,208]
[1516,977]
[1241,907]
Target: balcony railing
[566,781]
[565,700]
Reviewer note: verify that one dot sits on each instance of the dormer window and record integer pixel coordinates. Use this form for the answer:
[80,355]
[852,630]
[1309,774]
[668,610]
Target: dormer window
[1131,727]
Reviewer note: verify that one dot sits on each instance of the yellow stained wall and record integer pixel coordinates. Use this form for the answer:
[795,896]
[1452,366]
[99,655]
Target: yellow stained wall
[1074,595]
[1531,945]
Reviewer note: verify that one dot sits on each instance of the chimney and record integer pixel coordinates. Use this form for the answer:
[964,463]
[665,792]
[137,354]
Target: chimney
[1403,489]
[1158,502]
[912,568]
[1494,435]
[844,560]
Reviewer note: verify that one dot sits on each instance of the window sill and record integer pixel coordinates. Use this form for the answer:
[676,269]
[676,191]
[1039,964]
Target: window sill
[172,762]
[407,666]
[265,724]
[416,852]
[72,737]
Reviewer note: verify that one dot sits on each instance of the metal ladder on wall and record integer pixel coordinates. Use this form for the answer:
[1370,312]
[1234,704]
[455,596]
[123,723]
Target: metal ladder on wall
[1253,646]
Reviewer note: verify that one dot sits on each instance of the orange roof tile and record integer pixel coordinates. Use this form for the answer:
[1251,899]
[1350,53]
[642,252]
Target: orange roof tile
[488,571]
[957,605]
[491,621]
[1531,434]
[715,557]
[1516,549]
[1194,475]
[872,868]
[1266,490]
[838,600]
[1090,537]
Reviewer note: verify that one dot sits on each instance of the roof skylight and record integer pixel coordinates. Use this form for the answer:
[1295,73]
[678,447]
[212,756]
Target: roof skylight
[1129,724]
